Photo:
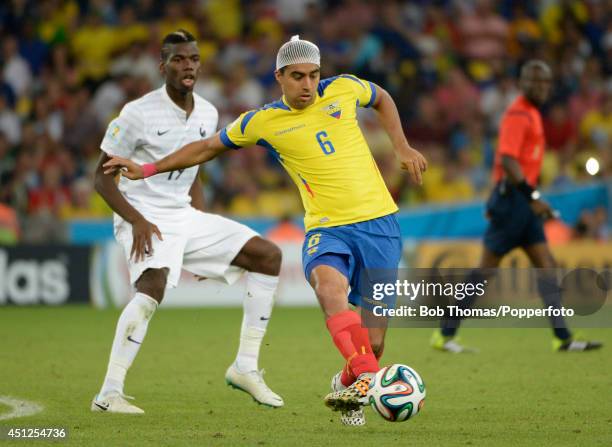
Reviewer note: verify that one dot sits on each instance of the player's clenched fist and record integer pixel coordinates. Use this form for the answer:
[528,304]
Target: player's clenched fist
[413,161]
[127,168]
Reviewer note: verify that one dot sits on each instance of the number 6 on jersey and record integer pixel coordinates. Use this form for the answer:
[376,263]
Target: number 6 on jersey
[326,145]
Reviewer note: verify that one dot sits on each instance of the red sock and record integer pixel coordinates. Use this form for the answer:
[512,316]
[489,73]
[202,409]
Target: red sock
[337,325]
[366,360]
[352,341]
[347,377]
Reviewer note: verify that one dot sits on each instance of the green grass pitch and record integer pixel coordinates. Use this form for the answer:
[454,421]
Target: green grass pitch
[515,392]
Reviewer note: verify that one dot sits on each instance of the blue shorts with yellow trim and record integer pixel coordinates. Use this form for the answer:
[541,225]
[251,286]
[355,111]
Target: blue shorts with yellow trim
[365,252]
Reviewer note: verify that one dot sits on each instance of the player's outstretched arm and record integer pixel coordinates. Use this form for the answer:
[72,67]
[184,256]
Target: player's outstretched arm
[189,155]
[411,160]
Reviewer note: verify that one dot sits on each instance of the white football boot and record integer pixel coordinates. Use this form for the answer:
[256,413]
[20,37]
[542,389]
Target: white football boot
[252,382]
[114,403]
[350,417]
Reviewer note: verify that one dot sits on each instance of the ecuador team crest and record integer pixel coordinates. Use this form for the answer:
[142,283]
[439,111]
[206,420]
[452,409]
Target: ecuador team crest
[333,110]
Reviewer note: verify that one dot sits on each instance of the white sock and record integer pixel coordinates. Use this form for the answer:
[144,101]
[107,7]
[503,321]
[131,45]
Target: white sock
[258,301]
[131,330]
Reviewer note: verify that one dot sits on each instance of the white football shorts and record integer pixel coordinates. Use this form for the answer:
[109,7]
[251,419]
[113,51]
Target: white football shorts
[201,243]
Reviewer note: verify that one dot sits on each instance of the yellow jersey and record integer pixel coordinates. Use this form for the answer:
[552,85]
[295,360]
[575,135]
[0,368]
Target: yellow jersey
[323,150]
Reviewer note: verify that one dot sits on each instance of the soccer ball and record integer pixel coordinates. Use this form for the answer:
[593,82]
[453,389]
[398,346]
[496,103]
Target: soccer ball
[397,393]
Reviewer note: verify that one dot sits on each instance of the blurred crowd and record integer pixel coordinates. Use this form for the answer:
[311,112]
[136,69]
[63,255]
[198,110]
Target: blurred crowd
[68,66]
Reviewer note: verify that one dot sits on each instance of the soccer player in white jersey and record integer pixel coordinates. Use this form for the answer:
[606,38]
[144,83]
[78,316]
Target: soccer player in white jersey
[162,226]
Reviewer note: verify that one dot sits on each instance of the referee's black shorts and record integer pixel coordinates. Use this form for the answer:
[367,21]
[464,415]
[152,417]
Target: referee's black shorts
[512,223]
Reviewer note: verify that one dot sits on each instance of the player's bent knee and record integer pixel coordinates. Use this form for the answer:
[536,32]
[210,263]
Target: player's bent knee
[260,256]
[152,282]
[274,257]
[268,256]
[267,260]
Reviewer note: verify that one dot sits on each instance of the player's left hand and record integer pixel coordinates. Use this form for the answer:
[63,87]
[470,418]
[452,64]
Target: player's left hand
[127,168]
[413,161]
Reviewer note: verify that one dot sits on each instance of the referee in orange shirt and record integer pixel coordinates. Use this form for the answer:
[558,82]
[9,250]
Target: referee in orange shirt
[515,208]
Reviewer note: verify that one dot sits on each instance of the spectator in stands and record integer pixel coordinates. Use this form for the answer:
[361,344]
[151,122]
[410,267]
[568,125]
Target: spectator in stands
[484,33]
[47,118]
[44,205]
[560,130]
[79,121]
[50,196]
[92,46]
[588,97]
[430,124]
[130,30]
[9,226]
[10,125]
[496,98]
[596,126]
[137,63]
[84,204]
[111,96]
[32,48]
[7,163]
[175,18]
[457,96]
[473,152]
[525,33]
[242,90]
[16,72]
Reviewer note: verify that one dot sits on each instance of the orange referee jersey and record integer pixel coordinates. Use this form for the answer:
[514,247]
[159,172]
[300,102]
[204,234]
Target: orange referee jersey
[521,136]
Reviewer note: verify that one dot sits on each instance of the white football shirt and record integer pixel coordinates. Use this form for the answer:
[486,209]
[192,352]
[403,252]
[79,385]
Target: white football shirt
[148,129]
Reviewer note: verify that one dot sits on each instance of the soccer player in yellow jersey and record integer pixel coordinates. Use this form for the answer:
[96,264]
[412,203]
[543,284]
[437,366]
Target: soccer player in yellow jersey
[350,215]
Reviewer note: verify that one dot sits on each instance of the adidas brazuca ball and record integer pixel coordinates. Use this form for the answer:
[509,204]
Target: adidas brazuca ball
[397,393]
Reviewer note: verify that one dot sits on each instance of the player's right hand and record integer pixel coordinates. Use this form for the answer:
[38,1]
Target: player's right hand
[127,168]
[414,163]
[142,239]
[542,209]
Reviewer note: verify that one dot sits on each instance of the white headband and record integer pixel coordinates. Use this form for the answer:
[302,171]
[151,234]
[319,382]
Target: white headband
[297,51]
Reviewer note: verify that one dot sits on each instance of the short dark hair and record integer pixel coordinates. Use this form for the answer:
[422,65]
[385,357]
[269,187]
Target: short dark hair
[178,36]
[534,64]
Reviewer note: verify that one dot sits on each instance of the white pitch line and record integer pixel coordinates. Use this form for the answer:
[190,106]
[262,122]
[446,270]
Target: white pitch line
[19,408]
